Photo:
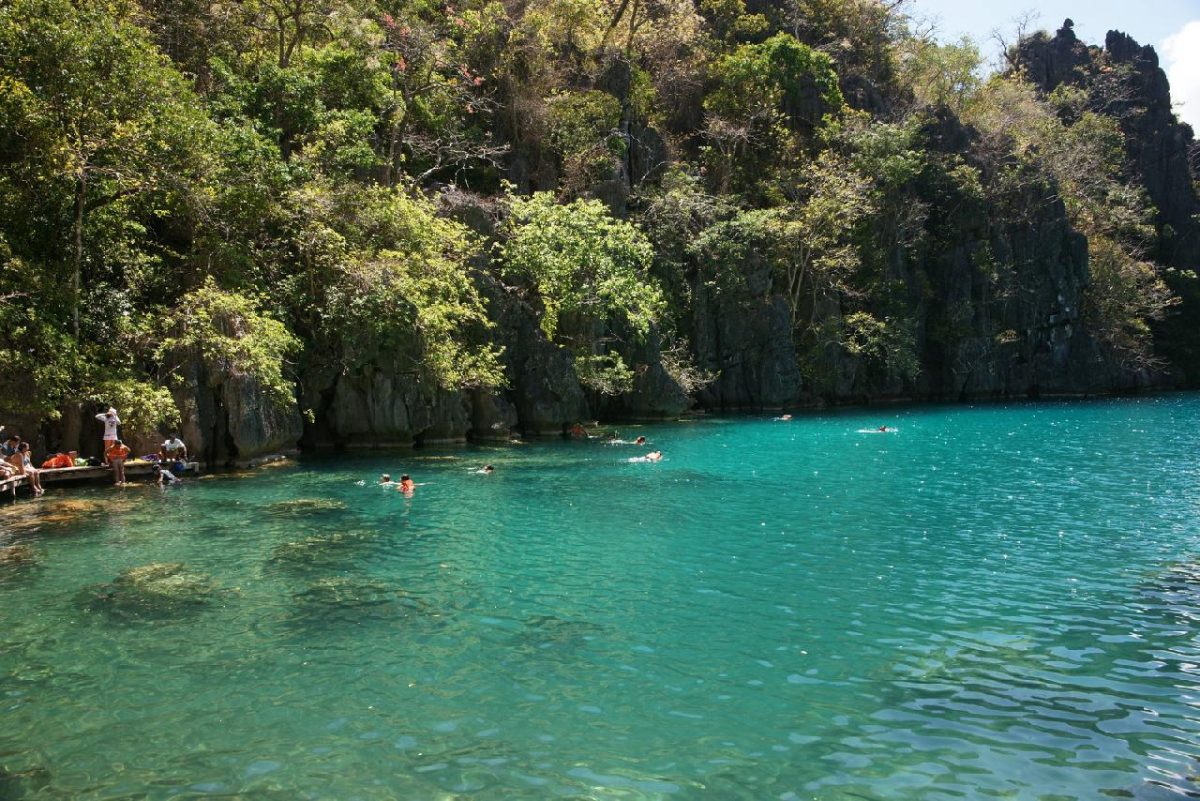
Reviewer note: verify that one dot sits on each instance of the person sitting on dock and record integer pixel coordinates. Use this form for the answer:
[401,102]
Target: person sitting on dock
[111,421]
[24,465]
[60,460]
[115,455]
[10,446]
[173,449]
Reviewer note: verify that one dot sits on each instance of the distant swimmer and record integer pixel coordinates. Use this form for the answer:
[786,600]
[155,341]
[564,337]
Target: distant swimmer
[638,441]
[406,485]
[486,470]
[883,429]
[783,418]
[652,456]
[386,479]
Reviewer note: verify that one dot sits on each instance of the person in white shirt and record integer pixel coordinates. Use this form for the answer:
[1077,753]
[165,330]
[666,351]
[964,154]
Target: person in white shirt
[174,448]
[164,476]
[111,421]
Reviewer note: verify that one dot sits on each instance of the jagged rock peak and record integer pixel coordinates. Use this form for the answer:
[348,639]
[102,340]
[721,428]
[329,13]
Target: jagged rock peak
[1051,61]
[1123,48]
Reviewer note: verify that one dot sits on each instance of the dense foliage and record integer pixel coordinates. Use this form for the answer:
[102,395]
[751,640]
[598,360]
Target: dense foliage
[274,187]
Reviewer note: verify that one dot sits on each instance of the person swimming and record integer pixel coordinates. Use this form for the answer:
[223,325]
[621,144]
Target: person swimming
[486,470]
[652,456]
[386,479]
[638,441]
[406,485]
[783,418]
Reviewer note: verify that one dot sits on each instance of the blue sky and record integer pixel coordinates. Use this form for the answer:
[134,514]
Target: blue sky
[1172,26]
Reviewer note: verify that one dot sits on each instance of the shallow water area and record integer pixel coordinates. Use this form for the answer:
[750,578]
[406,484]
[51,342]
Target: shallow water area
[996,601]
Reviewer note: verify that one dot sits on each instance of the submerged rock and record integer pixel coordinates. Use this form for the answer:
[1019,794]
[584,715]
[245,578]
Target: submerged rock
[151,590]
[18,555]
[319,549]
[304,506]
[26,783]
[349,591]
[548,631]
[351,601]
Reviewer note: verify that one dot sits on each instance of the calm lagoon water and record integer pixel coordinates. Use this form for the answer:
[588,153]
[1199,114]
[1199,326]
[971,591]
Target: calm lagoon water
[993,602]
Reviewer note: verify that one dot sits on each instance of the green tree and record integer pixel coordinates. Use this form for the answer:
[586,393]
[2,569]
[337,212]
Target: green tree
[765,97]
[94,116]
[381,271]
[584,268]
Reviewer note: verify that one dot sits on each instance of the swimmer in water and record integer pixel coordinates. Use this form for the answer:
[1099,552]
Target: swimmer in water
[385,479]
[486,470]
[883,429]
[640,441]
[784,418]
[406,485]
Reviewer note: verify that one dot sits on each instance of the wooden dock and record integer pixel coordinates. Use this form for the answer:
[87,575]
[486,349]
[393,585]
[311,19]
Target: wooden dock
[72,475]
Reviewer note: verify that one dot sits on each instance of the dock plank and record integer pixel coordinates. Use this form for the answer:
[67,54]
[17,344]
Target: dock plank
[64,475]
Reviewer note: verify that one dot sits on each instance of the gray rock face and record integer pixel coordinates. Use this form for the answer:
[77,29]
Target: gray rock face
[493,417]
[743,335]
[545,391]
[1162,158]
[1132,88]
[1003,314]
[380,405]
[229,419]
[981,341]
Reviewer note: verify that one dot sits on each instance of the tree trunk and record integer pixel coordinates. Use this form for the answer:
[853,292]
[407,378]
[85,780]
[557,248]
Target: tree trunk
[72,428]
[77,254]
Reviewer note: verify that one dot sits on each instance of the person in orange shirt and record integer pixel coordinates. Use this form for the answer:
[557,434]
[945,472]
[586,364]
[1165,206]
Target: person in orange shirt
[406,485]
[116,454]
[60,460]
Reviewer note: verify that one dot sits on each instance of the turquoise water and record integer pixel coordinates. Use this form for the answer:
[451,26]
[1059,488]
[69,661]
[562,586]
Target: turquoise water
[993,602]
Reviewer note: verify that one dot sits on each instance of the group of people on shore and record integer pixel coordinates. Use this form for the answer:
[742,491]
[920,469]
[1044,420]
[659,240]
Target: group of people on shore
[16,457]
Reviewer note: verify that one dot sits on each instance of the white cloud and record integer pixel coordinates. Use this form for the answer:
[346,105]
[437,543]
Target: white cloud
[1181,54]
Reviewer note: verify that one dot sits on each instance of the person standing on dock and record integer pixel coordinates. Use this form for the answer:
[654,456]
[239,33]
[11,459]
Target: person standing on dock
[115,455]
[111,421]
